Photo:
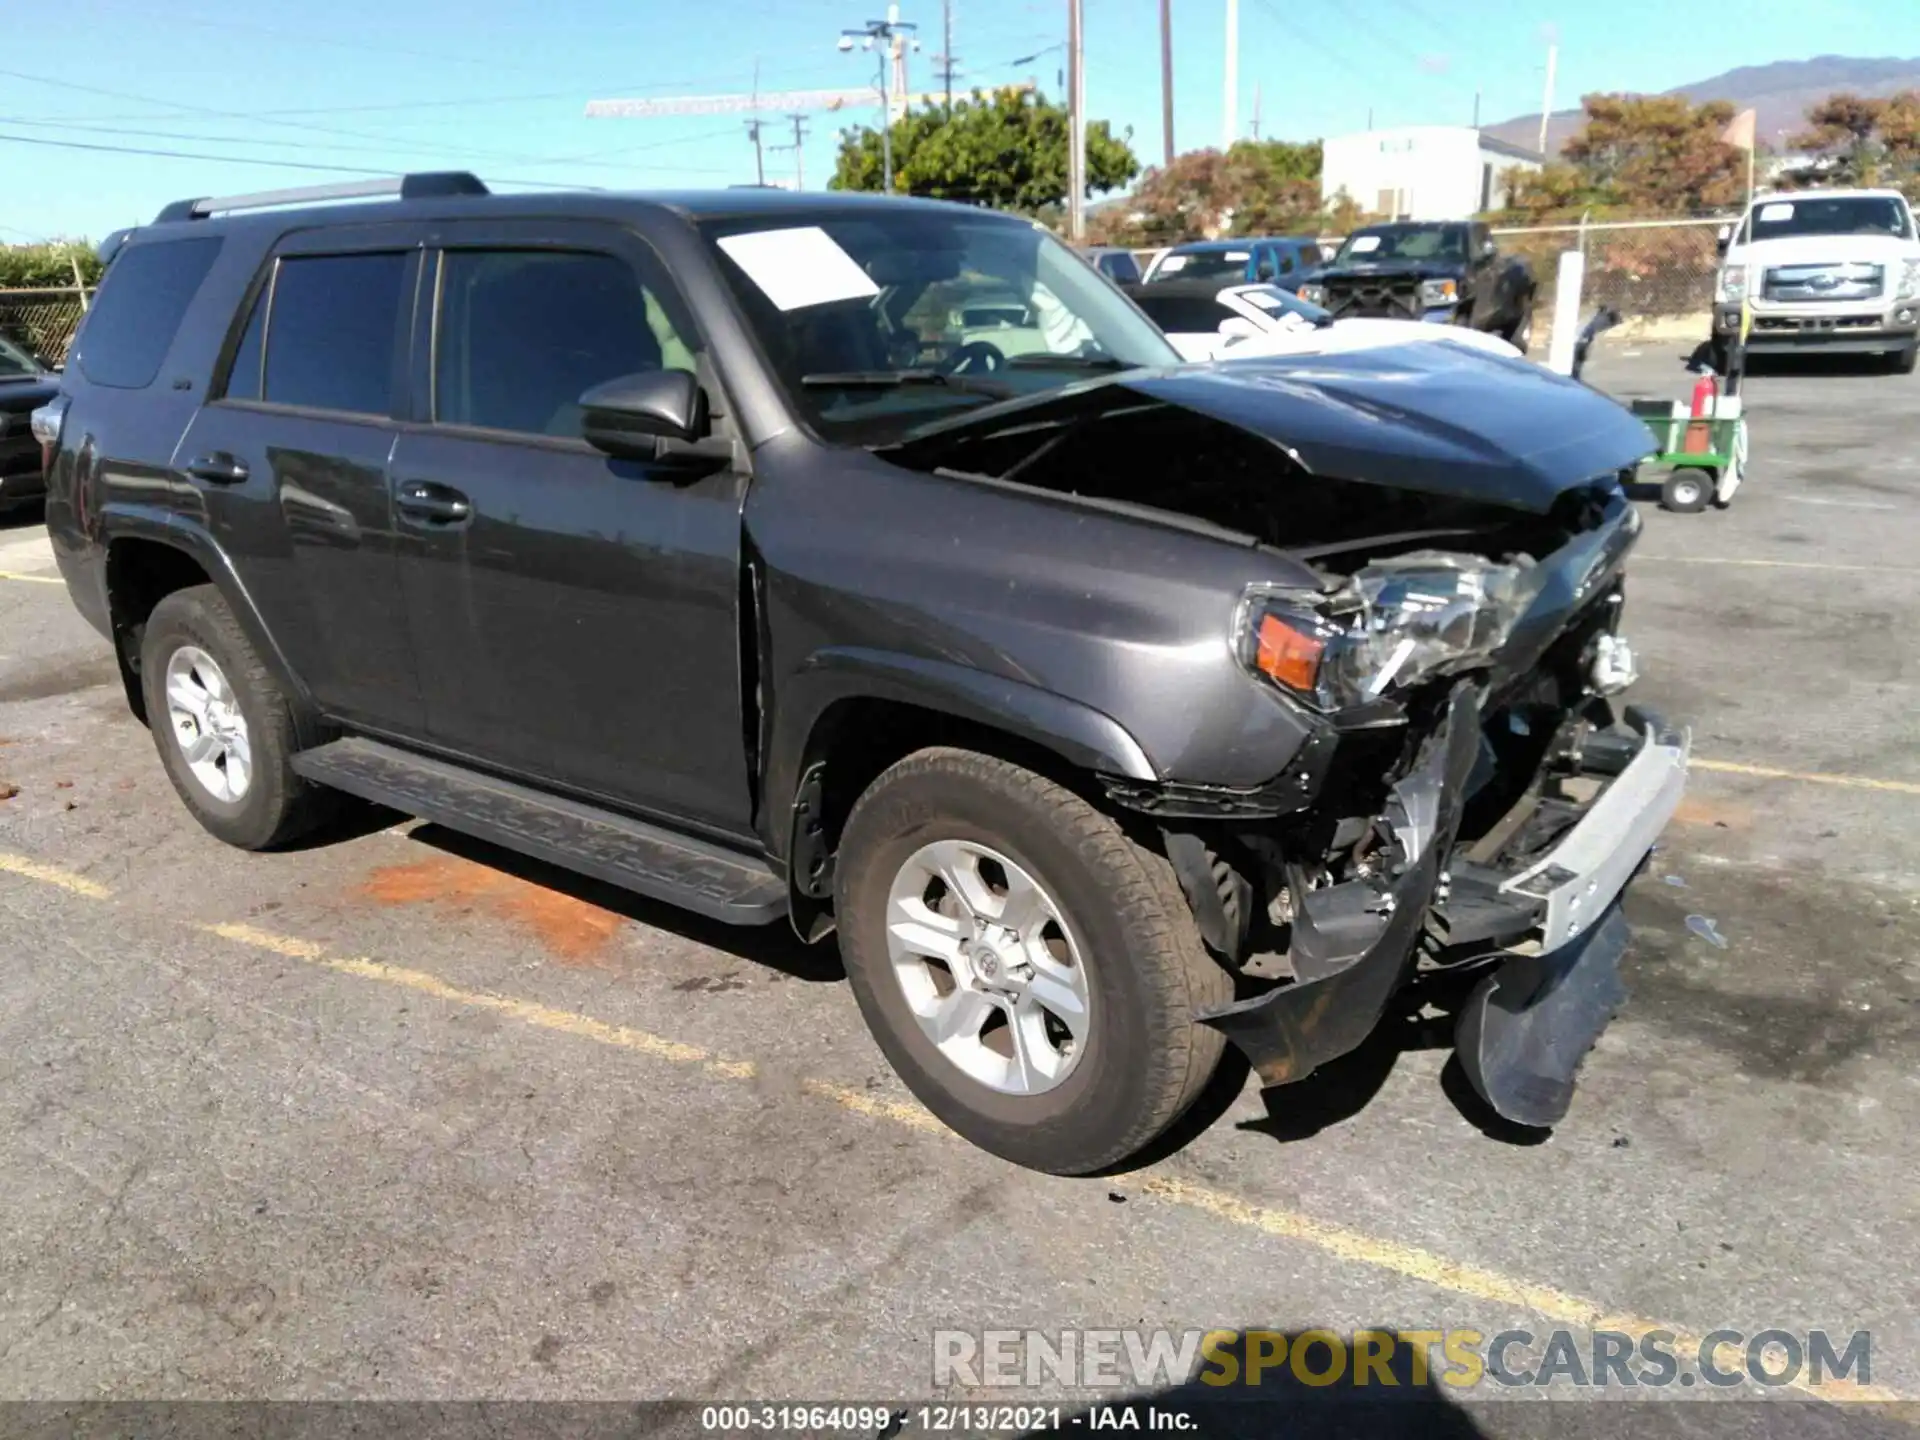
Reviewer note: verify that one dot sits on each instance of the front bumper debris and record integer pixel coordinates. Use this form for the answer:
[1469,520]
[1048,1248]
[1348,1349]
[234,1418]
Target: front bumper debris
[1550,909]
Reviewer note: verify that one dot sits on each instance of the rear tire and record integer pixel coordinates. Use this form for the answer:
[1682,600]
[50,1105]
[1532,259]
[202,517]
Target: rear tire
[1140,1058]
[222,724]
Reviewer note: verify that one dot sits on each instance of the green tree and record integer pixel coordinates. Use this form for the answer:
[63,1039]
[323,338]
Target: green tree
[1638,155]
[48,266]
[1259,187]
[1007,150]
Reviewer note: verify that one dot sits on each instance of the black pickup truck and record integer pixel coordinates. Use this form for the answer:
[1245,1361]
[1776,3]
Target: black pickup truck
[1111,709]
[1450,272]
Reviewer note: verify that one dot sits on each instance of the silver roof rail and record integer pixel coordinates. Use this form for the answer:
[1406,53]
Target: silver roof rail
[437,184]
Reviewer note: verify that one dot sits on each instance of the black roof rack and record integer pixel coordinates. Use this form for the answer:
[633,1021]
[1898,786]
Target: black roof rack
[428,185]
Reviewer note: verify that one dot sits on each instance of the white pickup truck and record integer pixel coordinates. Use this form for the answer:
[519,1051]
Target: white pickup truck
[1834,270]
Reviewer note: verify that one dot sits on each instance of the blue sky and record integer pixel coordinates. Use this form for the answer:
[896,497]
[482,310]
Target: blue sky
[499,86]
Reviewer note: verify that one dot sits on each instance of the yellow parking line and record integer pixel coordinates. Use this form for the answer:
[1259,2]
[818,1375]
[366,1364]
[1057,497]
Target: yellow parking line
[31,579]
[1407,1261]
[50,875]
[1490,1285]
[1810,777]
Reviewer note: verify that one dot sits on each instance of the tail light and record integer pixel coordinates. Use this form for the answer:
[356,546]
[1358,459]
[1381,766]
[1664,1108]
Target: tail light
[47,421]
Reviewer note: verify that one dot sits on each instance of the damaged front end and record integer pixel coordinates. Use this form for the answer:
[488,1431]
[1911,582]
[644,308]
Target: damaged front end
[1513,807]
[1442,537]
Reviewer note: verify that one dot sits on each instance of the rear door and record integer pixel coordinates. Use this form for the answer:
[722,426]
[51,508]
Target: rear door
[291,460]
[576,616]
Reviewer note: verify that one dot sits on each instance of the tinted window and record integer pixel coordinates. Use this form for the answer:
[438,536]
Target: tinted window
[1121,266]
[331,342]
[1203,265]
[243,376]
[141,302]
[1183,314]
[524,333]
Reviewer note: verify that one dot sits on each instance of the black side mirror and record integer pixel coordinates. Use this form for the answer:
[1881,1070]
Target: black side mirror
[1723,239]
[630,415]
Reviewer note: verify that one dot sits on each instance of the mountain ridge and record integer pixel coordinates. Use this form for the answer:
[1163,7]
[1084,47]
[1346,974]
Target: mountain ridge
[1779,92]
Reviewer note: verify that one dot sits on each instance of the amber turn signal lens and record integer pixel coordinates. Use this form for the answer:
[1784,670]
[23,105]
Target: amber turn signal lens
[1287,655]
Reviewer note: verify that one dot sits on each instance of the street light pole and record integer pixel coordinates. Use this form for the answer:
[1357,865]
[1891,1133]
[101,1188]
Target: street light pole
[886,36]
[1076,124]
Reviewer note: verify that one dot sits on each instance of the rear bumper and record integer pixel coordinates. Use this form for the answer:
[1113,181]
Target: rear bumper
[1548,917]
[1838,331]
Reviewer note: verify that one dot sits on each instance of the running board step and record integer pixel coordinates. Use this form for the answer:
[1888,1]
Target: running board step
[622,851]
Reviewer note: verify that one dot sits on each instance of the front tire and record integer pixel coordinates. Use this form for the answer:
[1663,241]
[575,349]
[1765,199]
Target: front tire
[1521,335]
[223,726]
[980,906]
[1901,362]
[1687,491]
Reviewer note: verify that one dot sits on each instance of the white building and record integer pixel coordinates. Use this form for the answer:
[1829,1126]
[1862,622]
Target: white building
[1422,172]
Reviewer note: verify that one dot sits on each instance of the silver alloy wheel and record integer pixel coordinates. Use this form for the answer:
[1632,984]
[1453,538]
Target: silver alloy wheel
[207,724]
[988,966]
[1687,491]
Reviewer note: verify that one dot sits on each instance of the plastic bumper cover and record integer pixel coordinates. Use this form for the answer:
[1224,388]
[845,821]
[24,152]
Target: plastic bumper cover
[1531,1021]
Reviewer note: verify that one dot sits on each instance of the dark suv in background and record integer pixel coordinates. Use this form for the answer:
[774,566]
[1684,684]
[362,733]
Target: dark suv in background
[25,385]
[1110,708]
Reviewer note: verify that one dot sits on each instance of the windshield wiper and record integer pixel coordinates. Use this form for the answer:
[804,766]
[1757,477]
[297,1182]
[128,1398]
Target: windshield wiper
[891,379]
[1041,360]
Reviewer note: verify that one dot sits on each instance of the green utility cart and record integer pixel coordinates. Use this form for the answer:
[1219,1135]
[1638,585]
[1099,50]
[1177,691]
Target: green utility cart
[1705,456]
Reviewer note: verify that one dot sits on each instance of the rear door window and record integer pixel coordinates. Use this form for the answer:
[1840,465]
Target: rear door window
[333,333]
[139,308]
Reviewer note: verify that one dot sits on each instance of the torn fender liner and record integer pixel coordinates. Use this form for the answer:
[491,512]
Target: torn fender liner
[1530,1023]
[1357,953]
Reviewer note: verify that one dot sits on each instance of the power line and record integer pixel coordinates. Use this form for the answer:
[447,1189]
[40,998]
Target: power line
[308,165]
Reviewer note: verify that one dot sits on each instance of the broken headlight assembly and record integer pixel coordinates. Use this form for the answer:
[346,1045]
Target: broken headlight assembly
[1393,623]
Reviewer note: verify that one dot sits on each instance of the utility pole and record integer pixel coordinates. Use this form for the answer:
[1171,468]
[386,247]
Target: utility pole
[1256,109]
[1076,125]
[1166,77]
[1476,109]
[759,159]
[799,151]
[889,37]
[1546,100]
[1231,101]
[946,52]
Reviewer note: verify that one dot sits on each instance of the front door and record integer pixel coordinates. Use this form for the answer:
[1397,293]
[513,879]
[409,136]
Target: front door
[575,617]
[290,460]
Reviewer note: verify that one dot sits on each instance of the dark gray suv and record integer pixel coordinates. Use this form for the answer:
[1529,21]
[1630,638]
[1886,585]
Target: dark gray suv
[1110,709]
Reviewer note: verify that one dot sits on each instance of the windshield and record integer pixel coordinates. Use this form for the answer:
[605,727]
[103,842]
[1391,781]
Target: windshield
[878,321]
[1847,215]
[15,361]
[1404,242]
[1201,264]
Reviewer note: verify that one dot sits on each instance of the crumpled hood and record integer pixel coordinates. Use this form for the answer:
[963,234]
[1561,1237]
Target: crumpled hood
[1442,419]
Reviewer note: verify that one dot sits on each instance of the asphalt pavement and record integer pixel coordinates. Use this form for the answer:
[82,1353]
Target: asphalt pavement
[397,1115]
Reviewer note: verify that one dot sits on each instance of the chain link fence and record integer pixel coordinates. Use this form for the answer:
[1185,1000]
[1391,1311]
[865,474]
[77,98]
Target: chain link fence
[43,321]
[1645,269]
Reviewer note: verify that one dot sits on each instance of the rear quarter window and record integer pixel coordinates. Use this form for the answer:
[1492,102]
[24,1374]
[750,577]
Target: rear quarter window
[132,322]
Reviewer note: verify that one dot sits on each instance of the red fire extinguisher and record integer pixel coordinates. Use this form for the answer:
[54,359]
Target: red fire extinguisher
[1706,394]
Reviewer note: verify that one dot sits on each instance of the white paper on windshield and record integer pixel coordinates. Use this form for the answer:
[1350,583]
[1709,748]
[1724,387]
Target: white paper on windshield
[1173,263]
[1239,254]
[1263,299]
[799,267]
[1364,244]
[1769,214]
